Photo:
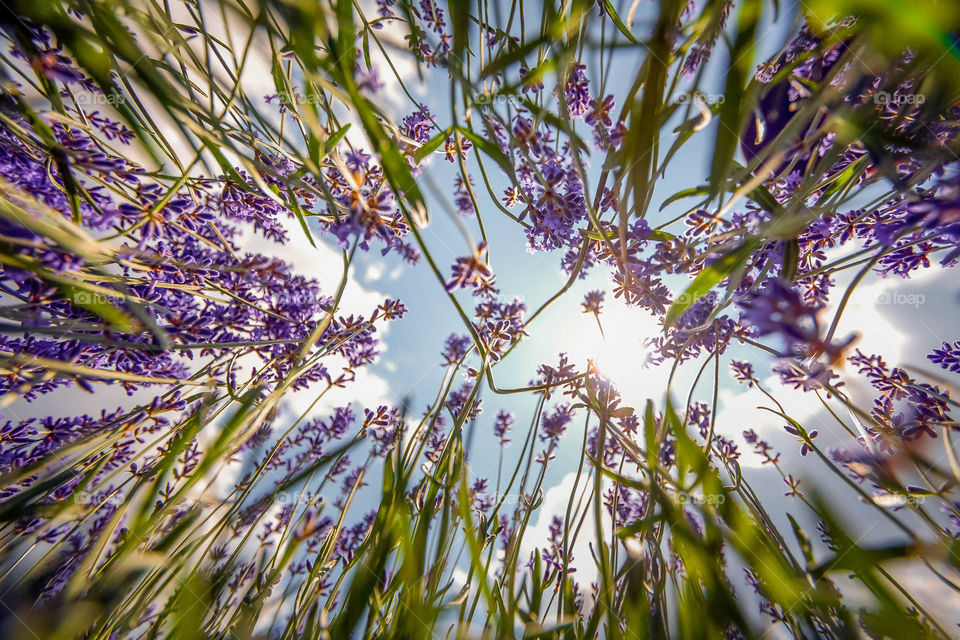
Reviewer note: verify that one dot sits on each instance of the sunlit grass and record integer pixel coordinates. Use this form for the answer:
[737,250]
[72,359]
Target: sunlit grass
[255,484]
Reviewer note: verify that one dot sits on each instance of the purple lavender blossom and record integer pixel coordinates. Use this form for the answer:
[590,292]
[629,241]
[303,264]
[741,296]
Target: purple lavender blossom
[592,302]
[501,426]
[472,271]
[947,356]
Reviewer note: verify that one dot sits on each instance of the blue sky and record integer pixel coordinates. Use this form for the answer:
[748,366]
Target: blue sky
[410,365]
[902,332]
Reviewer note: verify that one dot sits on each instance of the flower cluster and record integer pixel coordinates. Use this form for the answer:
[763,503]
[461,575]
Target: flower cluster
[154,281]
[904,409]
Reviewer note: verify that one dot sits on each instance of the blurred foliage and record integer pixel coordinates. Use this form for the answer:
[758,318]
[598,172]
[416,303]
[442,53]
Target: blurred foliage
[175,81]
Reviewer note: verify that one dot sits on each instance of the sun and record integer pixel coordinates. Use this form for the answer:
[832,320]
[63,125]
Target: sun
[618,351]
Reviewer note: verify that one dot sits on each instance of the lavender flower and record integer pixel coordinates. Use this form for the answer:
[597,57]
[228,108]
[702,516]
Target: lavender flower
[592,302]
[554,424]
[501,426]
[472,271]
[776,309]
[947,356]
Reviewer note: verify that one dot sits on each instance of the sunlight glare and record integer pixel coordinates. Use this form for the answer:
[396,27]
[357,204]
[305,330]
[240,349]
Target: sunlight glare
[619,353]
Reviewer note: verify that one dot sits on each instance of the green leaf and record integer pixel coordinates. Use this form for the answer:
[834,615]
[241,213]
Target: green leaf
[460,19]
[803,540]
[656,236]
[736,101]
[610,11]
[505,59]
[685,193]
[710,277]
[301,218]
[91,299]
[643,135]
[335,138]
[791,260]
[431,145]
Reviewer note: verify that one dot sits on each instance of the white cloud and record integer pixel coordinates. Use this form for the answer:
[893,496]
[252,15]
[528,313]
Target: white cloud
[374,271]
[868,316]
[395,273]
[325,264]
[555,501]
